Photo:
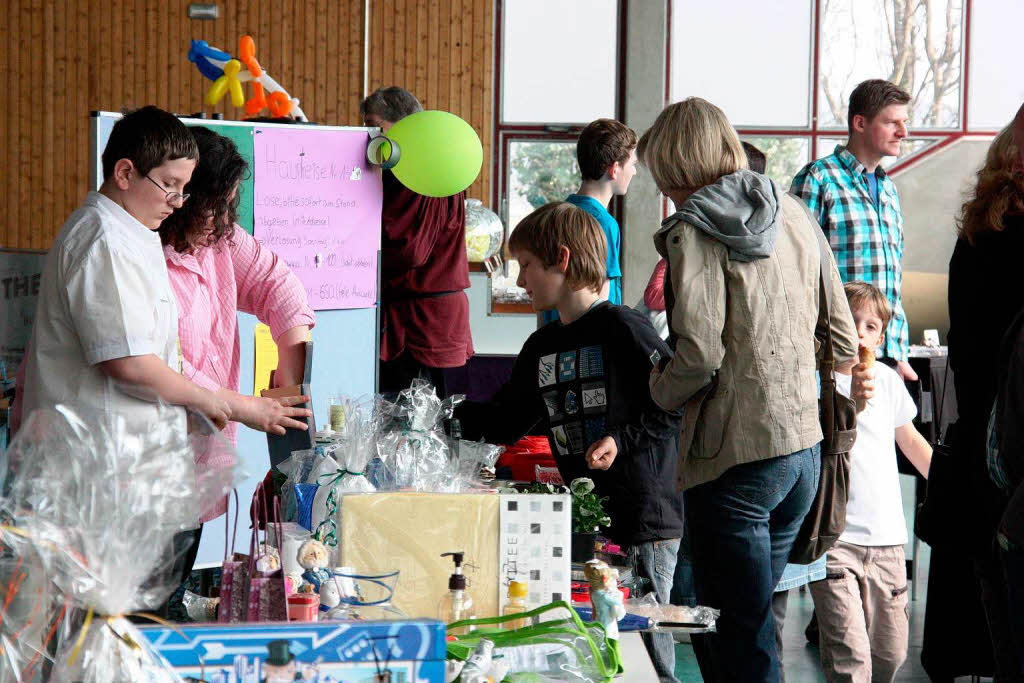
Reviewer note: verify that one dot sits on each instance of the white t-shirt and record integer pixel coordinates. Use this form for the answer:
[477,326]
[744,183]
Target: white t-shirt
[104,294]
[874,513]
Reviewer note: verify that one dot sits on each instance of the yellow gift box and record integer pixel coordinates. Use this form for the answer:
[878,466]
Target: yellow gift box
[504,537]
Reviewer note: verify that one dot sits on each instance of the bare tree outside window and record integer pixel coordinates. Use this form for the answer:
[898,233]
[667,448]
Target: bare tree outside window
[915,44]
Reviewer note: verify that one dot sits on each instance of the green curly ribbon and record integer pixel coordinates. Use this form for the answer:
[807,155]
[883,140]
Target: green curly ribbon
[330,537]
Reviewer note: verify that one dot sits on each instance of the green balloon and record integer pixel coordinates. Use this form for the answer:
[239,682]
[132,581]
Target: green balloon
[441,153]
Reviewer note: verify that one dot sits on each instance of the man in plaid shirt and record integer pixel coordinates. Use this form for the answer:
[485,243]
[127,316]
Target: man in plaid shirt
[857,206]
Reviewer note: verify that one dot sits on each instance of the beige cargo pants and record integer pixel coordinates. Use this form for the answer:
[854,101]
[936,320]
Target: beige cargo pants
[863,613]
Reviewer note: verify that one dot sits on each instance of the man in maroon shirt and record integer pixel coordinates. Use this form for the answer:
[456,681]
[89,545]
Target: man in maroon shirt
[424,269]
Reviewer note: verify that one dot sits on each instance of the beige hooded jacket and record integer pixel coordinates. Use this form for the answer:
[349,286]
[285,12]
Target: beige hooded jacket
[744,271]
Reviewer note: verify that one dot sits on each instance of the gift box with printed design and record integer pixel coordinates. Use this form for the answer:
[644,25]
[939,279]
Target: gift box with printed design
[394,651]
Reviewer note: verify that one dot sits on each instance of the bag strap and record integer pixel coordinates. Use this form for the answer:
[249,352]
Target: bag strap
[940,436]
[828,358]
[259,498]
[234,532]
[838,441]
[259,504]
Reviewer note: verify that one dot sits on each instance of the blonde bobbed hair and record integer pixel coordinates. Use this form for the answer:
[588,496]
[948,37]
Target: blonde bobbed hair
[691,144]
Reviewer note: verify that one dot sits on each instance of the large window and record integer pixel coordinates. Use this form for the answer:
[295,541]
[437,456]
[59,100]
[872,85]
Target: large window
[783,72]
[916,45]
[749,57]
[558,61]
[994,92]
[546,96]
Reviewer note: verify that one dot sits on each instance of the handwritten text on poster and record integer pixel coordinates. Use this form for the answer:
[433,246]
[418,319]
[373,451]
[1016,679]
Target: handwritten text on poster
[318,207]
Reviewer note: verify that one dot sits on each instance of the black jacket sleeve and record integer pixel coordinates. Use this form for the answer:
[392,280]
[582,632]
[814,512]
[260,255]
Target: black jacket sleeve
[642,349]
[511,412]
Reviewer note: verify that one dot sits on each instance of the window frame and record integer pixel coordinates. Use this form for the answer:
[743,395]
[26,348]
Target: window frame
[942,137]
[507,133]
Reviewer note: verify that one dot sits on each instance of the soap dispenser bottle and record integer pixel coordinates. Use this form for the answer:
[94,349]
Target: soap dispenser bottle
[456,604]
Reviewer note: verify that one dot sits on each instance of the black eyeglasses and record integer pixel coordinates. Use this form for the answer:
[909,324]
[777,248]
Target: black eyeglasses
[173,198]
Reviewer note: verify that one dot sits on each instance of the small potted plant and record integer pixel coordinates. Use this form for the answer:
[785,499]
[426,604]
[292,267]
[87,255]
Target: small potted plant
[588,516]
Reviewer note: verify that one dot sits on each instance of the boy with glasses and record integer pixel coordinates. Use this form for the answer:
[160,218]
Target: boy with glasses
[106,327]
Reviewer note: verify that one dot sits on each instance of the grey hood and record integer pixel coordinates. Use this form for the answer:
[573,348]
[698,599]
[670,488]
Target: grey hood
[740,210]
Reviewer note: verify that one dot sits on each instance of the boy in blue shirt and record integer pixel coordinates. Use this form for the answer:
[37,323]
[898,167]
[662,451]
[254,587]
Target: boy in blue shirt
[606,153]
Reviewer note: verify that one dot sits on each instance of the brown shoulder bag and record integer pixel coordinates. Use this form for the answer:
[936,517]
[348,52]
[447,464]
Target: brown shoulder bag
[826,519]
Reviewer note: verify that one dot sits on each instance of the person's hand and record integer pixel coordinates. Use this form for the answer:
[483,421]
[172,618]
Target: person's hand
[862,385]
[273,415]
[213,407]
[904,370]
[602,453]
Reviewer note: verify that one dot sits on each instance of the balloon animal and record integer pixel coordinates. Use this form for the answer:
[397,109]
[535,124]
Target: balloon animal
[227,74]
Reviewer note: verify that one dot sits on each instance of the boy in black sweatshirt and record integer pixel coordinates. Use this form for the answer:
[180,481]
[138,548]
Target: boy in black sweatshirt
[586,377]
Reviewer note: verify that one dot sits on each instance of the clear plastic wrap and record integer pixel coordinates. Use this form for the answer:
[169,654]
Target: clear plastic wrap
[412,446]
[355,445]
[554,644]
[344,473]
[472,463]
[673,617]
[100,507]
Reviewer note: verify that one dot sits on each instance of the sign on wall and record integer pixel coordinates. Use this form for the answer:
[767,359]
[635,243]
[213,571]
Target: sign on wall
[20,274]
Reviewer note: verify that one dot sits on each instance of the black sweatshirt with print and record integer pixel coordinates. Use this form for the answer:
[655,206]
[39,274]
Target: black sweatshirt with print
[587,380]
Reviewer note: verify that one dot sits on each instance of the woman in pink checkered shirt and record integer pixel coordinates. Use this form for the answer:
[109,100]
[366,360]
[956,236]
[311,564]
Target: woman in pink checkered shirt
[217,269]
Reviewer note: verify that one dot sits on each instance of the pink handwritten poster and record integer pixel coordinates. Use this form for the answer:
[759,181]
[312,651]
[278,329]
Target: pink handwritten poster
[317,205]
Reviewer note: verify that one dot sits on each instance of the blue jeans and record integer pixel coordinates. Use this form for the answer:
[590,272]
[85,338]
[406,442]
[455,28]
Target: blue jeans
[683,592]
[741,528]
[656,561]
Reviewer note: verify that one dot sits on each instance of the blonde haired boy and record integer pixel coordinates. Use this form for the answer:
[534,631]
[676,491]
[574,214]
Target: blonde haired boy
[862,602]
[584,379]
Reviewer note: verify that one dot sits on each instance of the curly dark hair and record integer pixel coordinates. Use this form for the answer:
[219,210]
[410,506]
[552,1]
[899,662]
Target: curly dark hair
[219,172]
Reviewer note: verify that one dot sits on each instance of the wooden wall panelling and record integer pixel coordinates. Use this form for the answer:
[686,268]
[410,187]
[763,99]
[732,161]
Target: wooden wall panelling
[61,60]
[6,76]
[30,153]
[47,116]
[441,50]
[432,43]
[486,57]
[333,55]
[318,66]
[444,56]
[357,55]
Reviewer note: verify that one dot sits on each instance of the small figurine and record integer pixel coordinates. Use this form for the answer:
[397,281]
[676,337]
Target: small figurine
[331,605]
[268,559]
[330,594]
[313,557]
[292,583]
[605,595]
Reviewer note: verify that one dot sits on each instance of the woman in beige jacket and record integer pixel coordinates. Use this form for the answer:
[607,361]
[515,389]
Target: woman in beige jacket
[742,299]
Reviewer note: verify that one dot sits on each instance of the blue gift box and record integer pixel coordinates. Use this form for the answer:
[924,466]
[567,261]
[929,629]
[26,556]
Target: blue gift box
[405,651]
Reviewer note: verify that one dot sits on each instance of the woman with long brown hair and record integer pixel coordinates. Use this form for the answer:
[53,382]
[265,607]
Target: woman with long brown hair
[985,295]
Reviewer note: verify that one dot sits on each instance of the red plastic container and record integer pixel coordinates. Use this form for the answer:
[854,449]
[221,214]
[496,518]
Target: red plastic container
[523,456]
[303,606]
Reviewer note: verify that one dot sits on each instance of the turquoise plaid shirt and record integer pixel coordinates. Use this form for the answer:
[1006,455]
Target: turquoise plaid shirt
[867,240]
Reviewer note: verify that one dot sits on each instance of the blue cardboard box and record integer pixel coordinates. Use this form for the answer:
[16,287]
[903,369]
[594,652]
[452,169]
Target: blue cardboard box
[406,651]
